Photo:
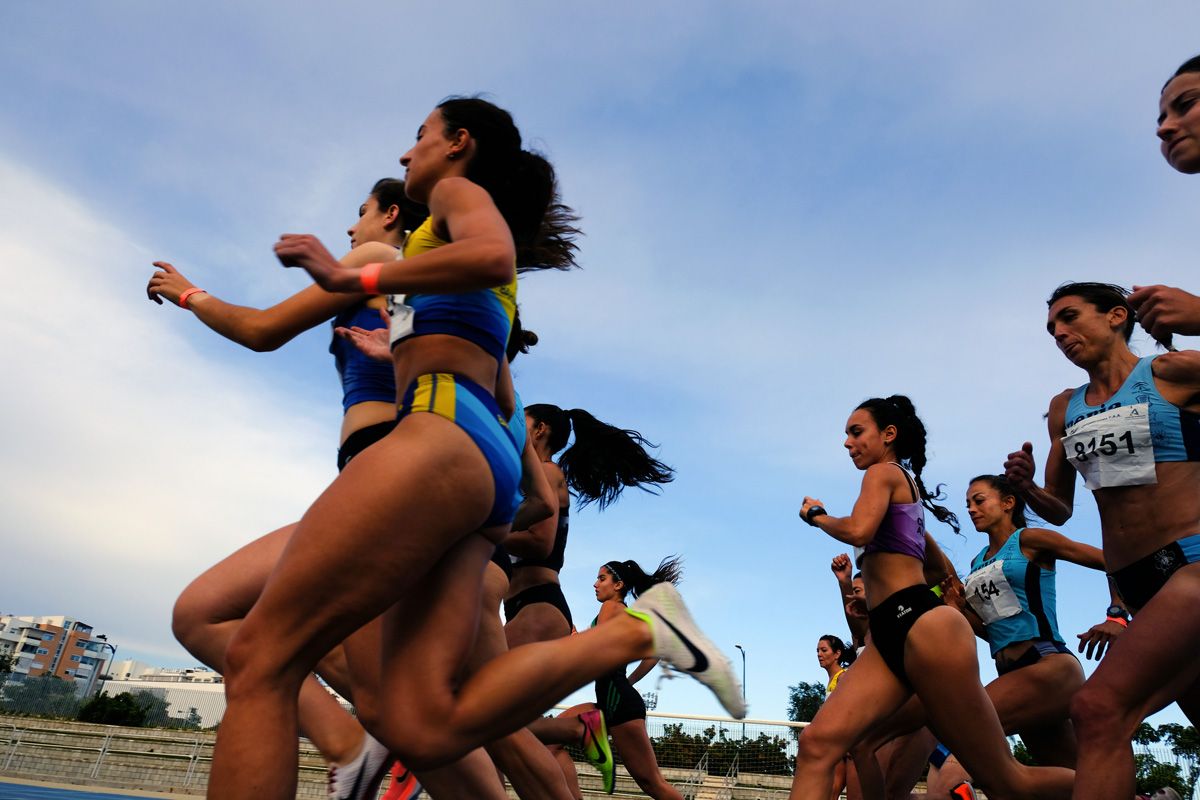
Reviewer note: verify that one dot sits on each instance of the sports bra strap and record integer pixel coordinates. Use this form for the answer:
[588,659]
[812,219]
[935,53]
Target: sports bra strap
[912,484]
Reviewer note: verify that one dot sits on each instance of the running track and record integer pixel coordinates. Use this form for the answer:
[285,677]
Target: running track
[19,791]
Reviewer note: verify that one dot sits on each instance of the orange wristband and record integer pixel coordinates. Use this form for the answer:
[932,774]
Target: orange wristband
[183,298]
[1124,623]
[369,277]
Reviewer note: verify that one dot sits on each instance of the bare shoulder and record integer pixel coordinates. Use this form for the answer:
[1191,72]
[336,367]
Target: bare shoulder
[610,609]
[1182,367]
[1057,414]
[368,253]
[454,189]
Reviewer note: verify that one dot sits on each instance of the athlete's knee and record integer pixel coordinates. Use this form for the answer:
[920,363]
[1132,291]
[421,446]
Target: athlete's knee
[191,619]
[253,665]
[1096,711]
[814,747]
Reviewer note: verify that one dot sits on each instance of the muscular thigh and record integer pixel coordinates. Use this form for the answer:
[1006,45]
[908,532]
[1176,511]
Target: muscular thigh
[373,535]
[1156,661]
[1036,695]
[228,589]
[537,622]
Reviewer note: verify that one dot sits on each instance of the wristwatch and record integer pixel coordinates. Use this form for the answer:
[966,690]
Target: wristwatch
[1116,612]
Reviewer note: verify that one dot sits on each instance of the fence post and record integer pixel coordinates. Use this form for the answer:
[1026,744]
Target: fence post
[103,751]
[192,759]
[13,750]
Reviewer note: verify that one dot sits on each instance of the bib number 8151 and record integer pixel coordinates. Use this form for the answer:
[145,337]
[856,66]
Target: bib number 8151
[1108,445]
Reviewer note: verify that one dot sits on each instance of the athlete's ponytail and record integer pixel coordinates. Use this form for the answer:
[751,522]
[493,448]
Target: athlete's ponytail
[603,459]
[846,654]
[521,183]
[909,447]
[636,581]
[519,339]
[389,192]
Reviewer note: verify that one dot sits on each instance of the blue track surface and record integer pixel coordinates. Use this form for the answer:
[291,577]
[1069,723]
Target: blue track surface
[17,791]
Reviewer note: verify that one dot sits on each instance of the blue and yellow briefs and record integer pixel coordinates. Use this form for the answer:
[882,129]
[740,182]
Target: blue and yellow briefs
[470,407]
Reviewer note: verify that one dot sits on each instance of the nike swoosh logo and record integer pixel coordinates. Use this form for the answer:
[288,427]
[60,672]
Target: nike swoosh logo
[602,758]
[701,660]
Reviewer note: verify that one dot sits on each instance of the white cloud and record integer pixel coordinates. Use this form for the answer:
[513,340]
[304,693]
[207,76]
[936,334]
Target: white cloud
[131,459]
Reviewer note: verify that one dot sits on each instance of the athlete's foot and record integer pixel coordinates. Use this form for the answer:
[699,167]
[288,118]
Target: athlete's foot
[359,779]
[679,642]
[963,791]
[594,742]
[404,786]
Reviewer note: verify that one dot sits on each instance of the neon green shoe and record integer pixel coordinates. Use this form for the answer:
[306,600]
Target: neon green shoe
[596,748]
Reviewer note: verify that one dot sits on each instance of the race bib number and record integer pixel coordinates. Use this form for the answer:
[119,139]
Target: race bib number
[1113,448]
[402,316]
[991,595]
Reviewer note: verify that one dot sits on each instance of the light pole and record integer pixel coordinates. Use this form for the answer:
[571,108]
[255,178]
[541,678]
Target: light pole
[103,640]
[743,652]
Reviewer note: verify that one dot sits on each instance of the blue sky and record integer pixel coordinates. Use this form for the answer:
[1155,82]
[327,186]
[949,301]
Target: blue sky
[789,207]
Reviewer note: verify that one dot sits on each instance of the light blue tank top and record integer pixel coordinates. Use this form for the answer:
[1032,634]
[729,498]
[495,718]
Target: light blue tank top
[1174,432]
[1031,587]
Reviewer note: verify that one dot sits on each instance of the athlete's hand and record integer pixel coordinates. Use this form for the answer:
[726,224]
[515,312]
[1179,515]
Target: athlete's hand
[306,251]
[168,282]
[1099,638]
[842,567]
[1019,468]
[1163,310]
[372,343]
[856,606]
[808,503]
[954,593]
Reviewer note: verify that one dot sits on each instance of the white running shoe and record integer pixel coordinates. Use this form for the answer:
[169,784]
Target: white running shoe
[679,642]
[360,779]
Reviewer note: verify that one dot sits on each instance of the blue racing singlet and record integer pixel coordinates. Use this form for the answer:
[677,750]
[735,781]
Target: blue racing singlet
[1136,418]
[363,378]
[1013,596]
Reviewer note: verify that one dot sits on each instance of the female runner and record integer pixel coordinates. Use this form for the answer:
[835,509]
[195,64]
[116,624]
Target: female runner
[1133,432]
[601,462]
[1163,310]
[409,525]
[917,645]
[213,605]
[532,771]
[1010,602]
[835,658]
[622,708]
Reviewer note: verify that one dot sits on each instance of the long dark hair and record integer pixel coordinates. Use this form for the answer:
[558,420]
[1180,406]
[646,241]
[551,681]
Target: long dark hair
[1001,484]
[838,646]
[1104,296]
[1191,65]
[520,339]
[389,192]
[636,581]
[603,459]
[909,447]
[522,184]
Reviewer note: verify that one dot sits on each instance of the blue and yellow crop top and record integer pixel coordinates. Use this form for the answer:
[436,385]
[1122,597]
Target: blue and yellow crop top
[902,529]
[1014,597]
[483,317]
[363,378]
[1118,442]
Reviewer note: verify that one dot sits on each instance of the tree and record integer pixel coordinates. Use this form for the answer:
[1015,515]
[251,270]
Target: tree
[137,710]
[1145,734]
[803,701]
[119,710]
[42,696]
[6,662]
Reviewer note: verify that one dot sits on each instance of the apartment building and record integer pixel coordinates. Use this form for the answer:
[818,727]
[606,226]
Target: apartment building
[60,646]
